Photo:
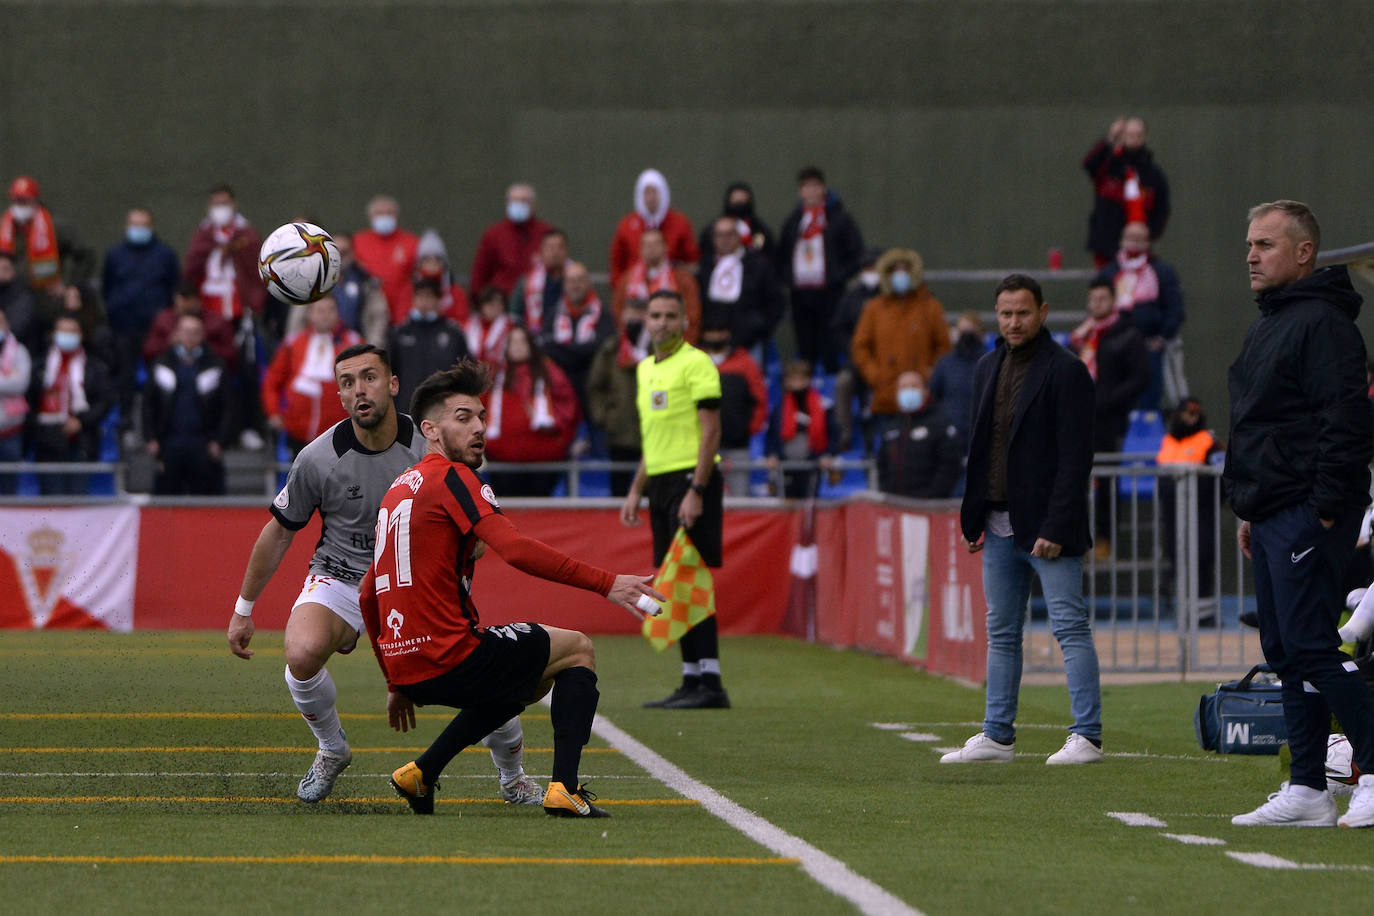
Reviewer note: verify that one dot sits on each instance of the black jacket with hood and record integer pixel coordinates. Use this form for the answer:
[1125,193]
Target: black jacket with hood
[1300,419]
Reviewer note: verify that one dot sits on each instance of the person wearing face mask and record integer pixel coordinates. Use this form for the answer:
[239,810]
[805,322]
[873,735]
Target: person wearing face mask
[901,328]
[611,391]
[362,305]
[69,399]
[1128,186]
[140,276]
[428,342]
[298,393]
[46,251]
[921,454]
[432,264]
[1148,292]
[508,246]
[16,367]
[849,385]
[743,404]
[222,260]
[652,210]
[952,381]
[186,414]
[388,252]
[754,233]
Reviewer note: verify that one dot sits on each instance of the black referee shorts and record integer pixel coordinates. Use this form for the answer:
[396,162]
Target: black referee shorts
[506,667]
[665,492]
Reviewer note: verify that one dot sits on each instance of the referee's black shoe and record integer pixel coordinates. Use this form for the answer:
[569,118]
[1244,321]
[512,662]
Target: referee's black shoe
[702,697]
[682,691]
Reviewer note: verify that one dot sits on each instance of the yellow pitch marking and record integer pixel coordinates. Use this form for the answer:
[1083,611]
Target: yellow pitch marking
[207,749]
[275,800]
[667,861]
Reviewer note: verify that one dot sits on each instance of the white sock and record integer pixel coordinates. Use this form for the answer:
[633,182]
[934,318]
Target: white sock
[710,666]
[691,669]
[1361,623]
[1306,793]
[315,700]
[507,746]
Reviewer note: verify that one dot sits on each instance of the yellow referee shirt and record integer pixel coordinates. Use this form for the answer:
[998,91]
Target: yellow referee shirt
[667,394]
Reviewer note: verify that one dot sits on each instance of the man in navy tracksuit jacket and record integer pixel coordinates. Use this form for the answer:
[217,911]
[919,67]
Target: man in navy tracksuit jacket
[1297,474]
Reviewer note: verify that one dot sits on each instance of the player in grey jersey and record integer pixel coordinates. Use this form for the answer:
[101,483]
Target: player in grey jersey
[343,475]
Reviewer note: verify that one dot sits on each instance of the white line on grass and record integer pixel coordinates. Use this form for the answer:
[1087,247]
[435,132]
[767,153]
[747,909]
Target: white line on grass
[920,736]
[1192,839]
[832,874]
[1136,819]
[1266,860]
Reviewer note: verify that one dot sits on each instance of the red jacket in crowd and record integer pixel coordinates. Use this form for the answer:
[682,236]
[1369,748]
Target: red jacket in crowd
[214,250]
[302,392]
[677,235]
[505,253]
[391,259]
[511,435]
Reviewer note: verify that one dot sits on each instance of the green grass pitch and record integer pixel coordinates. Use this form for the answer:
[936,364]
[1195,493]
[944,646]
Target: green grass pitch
[189,760]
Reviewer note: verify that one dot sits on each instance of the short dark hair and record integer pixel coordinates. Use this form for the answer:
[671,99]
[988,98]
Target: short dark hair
[669,294]
[810,173]
[363,349]
[554,230]
[468,376]
[1012,283]
[715,324]
[429,284]
[222,188]
[188,289]
[1101,282]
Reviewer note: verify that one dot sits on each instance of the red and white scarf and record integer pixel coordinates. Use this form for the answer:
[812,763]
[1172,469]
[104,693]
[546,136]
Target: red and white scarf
[534,295]
[64,386]
[727,278]
[40,245]
[487,342]
[641,282]
[1132,198]
[632,352]
[1136,281]
[219,290]
[808,258]
[1089,340]
[581,328]
[537,408]
[813,419]
[13,407]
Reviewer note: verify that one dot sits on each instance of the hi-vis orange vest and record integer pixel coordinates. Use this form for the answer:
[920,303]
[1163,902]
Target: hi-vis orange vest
[1192,450]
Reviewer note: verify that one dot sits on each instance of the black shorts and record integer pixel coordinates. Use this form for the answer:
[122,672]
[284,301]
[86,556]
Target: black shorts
[665,492]
[506,667]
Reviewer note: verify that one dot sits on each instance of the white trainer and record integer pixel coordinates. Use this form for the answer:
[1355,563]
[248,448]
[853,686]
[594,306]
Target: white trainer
[1285,808]
[522,791]
[981,749]
[1361,811]
[319,781]
[1076,750]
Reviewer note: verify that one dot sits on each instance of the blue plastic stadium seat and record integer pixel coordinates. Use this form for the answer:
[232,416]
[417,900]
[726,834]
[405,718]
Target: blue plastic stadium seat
[1144,434]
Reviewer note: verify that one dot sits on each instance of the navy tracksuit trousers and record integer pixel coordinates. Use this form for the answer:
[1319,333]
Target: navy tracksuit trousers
[1298,566]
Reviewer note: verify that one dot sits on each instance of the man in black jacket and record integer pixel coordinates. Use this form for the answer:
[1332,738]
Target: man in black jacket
[425,344]
[1297,474]
[186,413]
[739,289]
[1026,508]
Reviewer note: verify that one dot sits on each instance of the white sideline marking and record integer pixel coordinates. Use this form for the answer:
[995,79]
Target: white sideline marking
[826,870]
[1192,839]
[1136,819]
[891,726]
[1266,860]
[920,736]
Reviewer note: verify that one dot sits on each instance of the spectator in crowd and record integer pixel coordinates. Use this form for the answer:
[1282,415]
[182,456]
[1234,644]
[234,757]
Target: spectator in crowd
[1128,187]
[740,289]
[18,303]
[186,414]
[299,396]
[429,342]
[849,384]
[1115,355]
[16,369]
[539,290]
[507,248]
[82,303]
[69,398]
[951,384]
[820,250]
[219,334]
[362,305]
[532,416]
[611,391]
[921,454]
[902,328]
[487,328]
[140,276]
[1188,442]
[388,252]
[743,404]
[652,211]
[432,264]
[222,261]
[800,429]
[574,332]
[655,271]
[753,232]
[45,252]
[1149,291]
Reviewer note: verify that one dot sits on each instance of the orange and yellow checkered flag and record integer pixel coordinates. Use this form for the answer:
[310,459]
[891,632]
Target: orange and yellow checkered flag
[691,592]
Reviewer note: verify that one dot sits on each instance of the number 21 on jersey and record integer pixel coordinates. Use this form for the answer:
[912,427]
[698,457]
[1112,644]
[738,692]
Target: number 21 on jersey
[393,530]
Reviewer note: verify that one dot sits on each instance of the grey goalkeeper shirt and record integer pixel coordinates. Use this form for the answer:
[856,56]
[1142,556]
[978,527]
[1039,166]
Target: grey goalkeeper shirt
[345,482]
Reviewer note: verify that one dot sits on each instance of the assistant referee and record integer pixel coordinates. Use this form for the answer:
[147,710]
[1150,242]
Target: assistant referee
[678,397]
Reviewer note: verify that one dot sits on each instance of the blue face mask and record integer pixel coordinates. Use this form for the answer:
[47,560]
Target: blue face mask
[67,341]
[910,400]
[384,224]
[426,317]
[901,282]
[139,235]
[517,211]
[188,355]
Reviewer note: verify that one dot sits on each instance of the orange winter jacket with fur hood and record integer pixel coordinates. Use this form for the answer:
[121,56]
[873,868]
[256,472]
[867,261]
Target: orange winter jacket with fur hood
[897,334]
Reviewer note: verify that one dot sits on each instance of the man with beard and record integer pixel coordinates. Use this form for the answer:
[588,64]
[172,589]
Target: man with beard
[344,474]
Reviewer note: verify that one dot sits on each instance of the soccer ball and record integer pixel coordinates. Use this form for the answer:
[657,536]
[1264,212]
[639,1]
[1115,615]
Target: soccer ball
[299,262]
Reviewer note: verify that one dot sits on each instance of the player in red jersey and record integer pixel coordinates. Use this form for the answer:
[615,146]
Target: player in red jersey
[424,626]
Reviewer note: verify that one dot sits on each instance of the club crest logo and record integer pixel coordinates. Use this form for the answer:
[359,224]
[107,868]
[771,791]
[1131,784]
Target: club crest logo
[44,571]
[489,495]
[658,400]
[282,500]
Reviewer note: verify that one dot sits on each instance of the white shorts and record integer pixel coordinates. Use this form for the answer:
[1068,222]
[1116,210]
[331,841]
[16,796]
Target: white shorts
[339,596]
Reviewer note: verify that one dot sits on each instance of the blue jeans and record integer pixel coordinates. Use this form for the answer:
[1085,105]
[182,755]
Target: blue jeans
[1007,574]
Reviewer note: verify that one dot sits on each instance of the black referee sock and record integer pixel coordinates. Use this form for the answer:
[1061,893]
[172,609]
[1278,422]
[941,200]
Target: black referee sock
[467,728]
[574,706]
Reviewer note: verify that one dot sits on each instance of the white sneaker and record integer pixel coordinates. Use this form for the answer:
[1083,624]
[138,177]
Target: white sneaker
[1076,750]
[522,791]
[319,781]
[981,749]
[1285,808]
[1361,811]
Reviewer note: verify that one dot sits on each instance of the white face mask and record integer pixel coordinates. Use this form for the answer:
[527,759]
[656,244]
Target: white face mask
[67,341]
[22,213]
[870,279]
[384,224]
[222,214]
[901,282]
[517,211]
[717,357]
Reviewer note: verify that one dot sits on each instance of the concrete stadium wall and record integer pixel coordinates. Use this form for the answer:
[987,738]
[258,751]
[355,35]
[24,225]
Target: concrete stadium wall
[953,127]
